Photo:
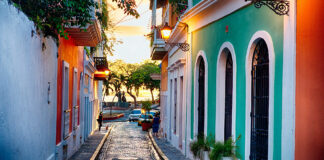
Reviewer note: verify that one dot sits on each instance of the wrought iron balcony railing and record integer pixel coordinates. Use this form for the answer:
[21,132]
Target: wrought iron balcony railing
[158,46]
[101,63]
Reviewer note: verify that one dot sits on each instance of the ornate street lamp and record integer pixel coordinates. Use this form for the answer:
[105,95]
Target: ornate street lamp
[166,32]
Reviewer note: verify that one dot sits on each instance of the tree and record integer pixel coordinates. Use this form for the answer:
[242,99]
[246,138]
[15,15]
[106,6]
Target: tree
[125,73]
[133,76]
[145,70]
[133,82]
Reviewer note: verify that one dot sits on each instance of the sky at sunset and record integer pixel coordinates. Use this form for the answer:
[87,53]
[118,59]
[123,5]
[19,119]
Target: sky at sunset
[135,47]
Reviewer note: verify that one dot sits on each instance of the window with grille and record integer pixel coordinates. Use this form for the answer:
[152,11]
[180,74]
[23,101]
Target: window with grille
[75,96]
[201,97]
[228,95]
[65,100]
[260,102]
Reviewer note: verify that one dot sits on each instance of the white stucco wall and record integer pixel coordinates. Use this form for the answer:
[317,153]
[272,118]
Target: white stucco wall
[177,70]
[27,121]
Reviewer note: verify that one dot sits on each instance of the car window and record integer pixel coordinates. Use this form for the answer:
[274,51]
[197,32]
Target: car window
[136,112]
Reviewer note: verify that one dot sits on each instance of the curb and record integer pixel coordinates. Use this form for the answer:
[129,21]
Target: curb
[96,153]
[157,148]
[113,118]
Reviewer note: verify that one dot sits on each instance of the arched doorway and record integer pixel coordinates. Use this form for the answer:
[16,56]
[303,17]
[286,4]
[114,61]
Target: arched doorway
[228,95]
[259,102]
[201,96]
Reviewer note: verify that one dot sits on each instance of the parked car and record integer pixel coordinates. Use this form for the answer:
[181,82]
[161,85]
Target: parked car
[155,111]
[149,117]
[134,115]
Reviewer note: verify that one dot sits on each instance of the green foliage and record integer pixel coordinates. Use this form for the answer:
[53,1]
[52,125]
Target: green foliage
[87,51]
[146,69]
[128,6]
[132,76]
[179,6]
[226,149]
[144,75]
[52,16]
[201,144]
[107,85]
[107,31]
[146,106]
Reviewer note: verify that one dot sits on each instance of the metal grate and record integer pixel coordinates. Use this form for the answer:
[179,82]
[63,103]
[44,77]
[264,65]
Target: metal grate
[260,102]
[228,95]
[201,97]
[101,63]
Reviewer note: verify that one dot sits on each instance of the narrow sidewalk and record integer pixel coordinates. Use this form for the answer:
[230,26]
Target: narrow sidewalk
[170,151]
[89,147]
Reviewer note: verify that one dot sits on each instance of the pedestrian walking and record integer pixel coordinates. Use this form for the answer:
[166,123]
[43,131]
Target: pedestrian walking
[100,120]
[156,124]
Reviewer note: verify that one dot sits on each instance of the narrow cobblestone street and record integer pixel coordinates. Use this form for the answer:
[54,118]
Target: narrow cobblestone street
[126,141]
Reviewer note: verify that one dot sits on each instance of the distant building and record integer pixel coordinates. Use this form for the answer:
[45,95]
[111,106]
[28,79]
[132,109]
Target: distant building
[77,97]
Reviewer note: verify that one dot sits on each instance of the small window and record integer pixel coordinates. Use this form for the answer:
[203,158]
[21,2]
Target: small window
[65,100]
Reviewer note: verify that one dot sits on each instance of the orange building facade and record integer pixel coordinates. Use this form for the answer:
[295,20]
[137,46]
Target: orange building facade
[309,139]
[70,59]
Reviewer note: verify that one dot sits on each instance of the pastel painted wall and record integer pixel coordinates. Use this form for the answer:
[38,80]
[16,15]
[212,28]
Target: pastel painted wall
[309,140]
[194,2]
[27,121]
[242,25]
[73,55]
[164,74]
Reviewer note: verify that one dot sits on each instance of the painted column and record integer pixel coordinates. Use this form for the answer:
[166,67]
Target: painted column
[289,84]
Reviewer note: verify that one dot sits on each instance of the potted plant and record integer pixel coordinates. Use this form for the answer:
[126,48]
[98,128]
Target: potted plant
[146,106]
[201,146]
[224,151]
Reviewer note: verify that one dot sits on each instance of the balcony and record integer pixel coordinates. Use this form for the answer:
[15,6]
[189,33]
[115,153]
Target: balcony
[158,50]
[101,65]
[89,35]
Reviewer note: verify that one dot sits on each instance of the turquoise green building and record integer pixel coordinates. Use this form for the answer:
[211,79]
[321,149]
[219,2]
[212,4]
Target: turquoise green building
[238,76]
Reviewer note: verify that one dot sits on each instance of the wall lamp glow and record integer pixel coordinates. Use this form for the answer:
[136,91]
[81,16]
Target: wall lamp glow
[166,32]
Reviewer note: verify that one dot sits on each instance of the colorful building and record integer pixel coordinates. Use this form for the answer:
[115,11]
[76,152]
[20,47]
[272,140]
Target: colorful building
[158,52]
[77,92]
[248,71]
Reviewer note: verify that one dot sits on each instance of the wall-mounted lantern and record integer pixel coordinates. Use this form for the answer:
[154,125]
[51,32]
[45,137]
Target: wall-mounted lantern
[166,32]
[101,75]
[280,7]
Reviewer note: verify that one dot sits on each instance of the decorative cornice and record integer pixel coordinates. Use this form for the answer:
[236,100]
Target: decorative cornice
[180,62]
[90,66]
[198,8]
[208,11]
